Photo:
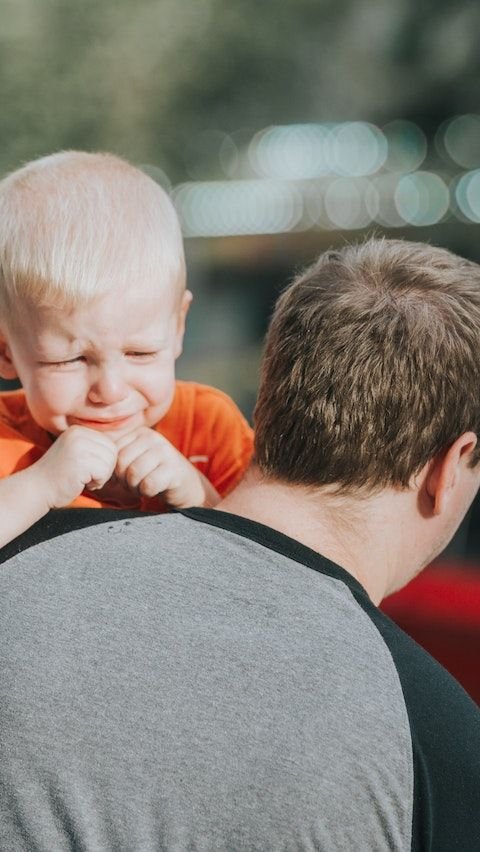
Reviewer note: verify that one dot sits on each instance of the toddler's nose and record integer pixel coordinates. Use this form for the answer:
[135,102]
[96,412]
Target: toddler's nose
[108,387]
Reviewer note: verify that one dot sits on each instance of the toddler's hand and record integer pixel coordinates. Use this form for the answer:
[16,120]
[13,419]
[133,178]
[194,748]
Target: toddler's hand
[79,458]
[149,464]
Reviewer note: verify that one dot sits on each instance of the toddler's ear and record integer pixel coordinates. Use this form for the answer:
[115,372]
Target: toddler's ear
[182,313]
[7,367]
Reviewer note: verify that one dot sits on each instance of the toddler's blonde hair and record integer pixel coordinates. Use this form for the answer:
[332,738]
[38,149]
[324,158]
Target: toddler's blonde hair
[75,225]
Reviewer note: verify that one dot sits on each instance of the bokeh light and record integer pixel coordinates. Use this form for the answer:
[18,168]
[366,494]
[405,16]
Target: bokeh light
[329,176]
[314,211]
[459,137]
[225,208]
[467,195]
[357,148]
[307,151]
[295,152]
[387,213]
[346,203]
[407,146]
[422,198]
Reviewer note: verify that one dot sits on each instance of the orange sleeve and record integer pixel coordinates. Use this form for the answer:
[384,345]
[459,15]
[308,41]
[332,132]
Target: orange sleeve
[22,442]
[208,428]
[230,440]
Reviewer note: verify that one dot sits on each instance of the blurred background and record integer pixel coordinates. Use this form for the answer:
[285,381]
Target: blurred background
[280,128]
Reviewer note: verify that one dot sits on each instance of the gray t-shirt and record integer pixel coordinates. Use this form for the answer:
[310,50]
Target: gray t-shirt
[200,682]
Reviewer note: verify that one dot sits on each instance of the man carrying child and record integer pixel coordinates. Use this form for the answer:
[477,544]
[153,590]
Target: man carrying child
[222,679]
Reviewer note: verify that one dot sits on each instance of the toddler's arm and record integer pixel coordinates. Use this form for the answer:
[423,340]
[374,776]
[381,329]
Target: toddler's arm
[79,457]
[151,465]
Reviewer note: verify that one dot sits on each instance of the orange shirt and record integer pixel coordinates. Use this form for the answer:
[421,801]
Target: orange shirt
[203,423]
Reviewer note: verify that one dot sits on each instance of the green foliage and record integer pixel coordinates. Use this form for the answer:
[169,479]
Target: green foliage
[144,77]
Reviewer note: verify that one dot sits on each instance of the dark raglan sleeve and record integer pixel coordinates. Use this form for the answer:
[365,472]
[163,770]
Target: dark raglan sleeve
[445,731]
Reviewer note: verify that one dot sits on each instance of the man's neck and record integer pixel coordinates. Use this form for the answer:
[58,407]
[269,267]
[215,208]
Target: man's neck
[368,536]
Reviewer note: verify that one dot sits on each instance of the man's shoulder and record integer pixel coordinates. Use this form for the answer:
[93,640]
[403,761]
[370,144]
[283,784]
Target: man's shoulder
[58,523]
[420,674]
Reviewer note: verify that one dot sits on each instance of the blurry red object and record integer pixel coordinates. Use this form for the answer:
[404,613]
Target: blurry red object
[440,609]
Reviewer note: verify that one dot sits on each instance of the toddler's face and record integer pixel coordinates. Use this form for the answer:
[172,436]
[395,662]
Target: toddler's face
[109,365]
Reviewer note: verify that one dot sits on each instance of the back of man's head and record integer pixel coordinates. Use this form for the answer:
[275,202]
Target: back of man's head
[372,366]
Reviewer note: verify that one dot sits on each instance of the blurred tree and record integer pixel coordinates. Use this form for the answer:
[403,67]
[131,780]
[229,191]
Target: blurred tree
[436,53]
[144,78]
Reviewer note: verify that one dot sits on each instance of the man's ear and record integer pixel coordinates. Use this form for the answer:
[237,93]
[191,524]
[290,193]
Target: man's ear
[181,317]
[446,469]
[7,367]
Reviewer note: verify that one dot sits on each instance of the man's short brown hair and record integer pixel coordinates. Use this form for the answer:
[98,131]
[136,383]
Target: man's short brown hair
[371,368]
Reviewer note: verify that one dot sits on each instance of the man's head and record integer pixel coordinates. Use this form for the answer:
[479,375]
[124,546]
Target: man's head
[92,291]
[372,367]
